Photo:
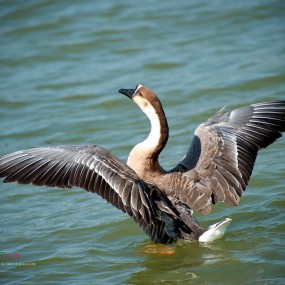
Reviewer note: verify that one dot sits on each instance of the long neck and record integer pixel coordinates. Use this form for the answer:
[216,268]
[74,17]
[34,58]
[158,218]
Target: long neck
[158,135]
[144,156]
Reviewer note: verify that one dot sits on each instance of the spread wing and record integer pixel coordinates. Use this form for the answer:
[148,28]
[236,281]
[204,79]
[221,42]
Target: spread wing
[96,170]
[220,160]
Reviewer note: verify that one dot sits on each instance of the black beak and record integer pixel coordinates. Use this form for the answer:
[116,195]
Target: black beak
[127,92]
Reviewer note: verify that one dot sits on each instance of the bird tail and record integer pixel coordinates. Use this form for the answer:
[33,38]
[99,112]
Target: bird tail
[215,231]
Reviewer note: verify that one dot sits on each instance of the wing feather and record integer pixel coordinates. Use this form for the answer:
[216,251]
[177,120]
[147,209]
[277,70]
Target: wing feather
[228,145]
[96,170]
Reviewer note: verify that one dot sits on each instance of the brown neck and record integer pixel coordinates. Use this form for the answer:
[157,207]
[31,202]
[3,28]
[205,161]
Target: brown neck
[164,133]
[144,156]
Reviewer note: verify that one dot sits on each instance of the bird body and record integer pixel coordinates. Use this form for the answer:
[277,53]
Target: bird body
[216,168]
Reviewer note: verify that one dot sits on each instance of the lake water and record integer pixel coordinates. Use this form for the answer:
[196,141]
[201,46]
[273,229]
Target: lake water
[62,63]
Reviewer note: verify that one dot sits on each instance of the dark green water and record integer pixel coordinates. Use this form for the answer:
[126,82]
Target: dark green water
[62,63]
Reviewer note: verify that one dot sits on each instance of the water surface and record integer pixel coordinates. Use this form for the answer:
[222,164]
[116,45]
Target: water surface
[62,63]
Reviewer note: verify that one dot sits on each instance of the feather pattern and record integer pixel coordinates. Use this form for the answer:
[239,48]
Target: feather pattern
[229,146]
[96,170]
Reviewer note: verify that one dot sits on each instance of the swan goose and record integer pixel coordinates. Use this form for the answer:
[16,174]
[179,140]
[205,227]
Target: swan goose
[216,168]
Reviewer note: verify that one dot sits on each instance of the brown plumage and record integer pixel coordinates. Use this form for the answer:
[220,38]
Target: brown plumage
[216,168]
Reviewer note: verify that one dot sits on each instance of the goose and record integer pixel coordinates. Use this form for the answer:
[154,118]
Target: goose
[216,168]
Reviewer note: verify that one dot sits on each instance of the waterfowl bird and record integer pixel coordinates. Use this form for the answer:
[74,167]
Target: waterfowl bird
[216,168]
